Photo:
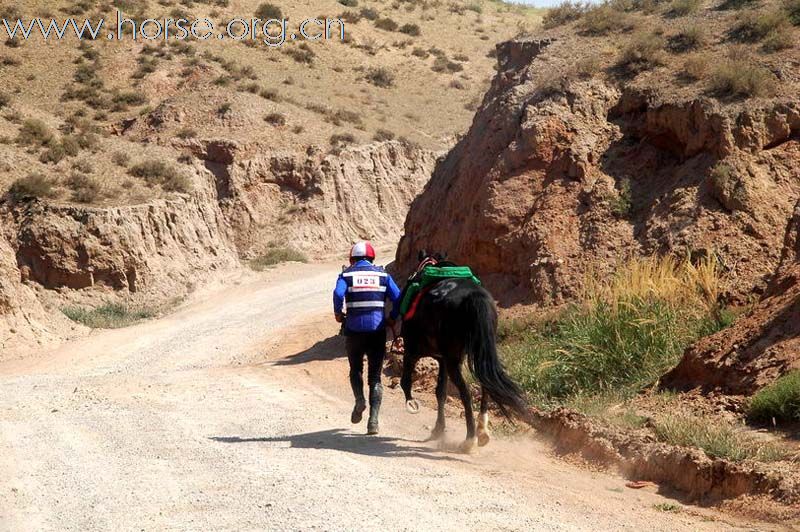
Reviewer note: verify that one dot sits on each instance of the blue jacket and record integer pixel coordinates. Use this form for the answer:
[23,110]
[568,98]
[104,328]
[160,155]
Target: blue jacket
[362,289]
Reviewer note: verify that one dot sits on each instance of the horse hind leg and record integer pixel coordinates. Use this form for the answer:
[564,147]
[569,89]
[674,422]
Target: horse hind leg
[454,369]
[483,419]
[441,400]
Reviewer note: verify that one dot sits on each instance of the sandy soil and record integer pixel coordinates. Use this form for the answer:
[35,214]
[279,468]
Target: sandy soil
[233,413]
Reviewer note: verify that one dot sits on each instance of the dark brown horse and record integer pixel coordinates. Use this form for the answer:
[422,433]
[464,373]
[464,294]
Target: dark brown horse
[457,318]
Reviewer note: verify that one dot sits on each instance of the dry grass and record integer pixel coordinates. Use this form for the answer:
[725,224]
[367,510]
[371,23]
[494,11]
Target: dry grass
[626,331]
[718,439]
[277,254]
[32,186]
[741,78]
[644,51]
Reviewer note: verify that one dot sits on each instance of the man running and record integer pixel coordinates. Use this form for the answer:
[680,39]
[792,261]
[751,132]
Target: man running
[362,289]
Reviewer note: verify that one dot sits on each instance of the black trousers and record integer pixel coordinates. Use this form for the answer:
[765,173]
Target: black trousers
[373,346]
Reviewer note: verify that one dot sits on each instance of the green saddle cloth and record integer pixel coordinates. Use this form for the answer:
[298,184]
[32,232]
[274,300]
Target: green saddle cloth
[430,275]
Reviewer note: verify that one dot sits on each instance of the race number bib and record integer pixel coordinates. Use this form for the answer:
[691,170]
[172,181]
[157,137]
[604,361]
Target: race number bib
[366,281]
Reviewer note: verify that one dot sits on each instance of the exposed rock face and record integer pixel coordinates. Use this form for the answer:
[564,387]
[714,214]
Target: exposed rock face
[759,347]
[318,202]
[23,321]
[156,246]
[552,183]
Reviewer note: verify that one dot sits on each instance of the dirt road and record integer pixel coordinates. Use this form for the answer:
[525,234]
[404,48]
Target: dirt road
[220,417]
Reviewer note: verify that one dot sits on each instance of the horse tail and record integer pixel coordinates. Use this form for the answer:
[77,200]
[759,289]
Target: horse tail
[480,323]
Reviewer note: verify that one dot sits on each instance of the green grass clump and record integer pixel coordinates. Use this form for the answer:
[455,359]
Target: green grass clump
[623,335]
[716,438]
[275,255]
[109,316]
[780,401]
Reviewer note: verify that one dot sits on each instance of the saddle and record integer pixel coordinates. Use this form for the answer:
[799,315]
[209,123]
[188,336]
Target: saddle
[423,280]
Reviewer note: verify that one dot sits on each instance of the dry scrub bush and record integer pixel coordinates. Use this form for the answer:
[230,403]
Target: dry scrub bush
[643,52]
[563,13]
[604,19]
[739,78]
[380,77]
[690,37]
[681,8]
[32,186]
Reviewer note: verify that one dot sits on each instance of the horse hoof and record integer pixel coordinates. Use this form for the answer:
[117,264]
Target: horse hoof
[436,434]
[412,405]
[483,439]
[468,446]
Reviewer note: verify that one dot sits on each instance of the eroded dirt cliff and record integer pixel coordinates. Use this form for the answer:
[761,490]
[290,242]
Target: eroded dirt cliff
[761,346]
[244,199]
[557,180]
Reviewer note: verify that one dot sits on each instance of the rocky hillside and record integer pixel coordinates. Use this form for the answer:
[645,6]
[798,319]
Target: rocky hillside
[135,170]
[761,346]
[627,129]
[110,122]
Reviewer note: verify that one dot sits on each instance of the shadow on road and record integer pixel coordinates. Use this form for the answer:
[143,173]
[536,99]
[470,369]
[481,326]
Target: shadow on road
[341,440]
[327,349]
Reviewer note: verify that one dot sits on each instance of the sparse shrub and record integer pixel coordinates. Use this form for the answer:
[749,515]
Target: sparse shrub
[420,52]
[267,11]
[386,23]
[442,64]
[270,94]
[456,84]
[753,26]
[737,78]
[690,37]
[5,99]
[587,67]
[696,67]
[563,13]
[32,186]
[341,140]
[275,119]
[224,109]
[153,171]
[380,77]
[252,88]
[621,202]
[85,189]
[70,145]
[681,8]
[176,182]
[302,53]
[643,52]
[129,98]
[780,38]
[120,158]
[463,58]
[369,13]
[349,3]
[186,133]
[410,29]
[604,19]
[34,131]
[792,10]
[54,152]
[109,315]
[383,135]
[778,402]
[276,255]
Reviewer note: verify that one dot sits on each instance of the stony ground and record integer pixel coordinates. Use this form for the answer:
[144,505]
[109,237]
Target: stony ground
[228,415]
